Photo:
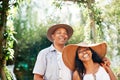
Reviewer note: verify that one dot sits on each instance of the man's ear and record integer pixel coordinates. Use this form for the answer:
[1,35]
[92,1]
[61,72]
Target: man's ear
[52,36]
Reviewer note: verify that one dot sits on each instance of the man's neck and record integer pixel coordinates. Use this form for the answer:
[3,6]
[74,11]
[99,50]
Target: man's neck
[58,47]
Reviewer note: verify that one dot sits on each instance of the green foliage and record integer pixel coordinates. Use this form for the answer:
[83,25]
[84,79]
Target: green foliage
[113,18]
[78,35]
[8,48]
[8,74]
[97,14]
[27,49]
[7,29]
[30,41]
[58,3]
[31,38]
[8,35]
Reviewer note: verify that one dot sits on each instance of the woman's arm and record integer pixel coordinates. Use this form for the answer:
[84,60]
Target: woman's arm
[106,65]
[75,76]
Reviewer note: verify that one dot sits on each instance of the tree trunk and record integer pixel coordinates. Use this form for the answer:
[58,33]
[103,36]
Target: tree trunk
[1,55]
[91,17]
[92,21]
[3,19]
[2,71]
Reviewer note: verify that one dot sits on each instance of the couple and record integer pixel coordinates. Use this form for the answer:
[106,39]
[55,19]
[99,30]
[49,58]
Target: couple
[73,62]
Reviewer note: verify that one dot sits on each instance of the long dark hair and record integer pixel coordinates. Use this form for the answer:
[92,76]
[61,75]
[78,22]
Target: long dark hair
[79,64]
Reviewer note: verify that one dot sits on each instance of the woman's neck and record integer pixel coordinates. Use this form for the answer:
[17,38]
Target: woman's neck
[91,67]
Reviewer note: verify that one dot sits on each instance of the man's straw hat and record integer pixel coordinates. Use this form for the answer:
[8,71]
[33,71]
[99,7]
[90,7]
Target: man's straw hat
[52,29]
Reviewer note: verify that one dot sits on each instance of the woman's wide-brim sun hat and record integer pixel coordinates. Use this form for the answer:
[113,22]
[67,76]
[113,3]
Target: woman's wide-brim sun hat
[53,28]
[69,52]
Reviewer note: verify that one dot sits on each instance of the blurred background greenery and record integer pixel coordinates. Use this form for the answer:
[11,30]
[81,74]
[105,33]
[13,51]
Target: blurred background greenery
[29,20]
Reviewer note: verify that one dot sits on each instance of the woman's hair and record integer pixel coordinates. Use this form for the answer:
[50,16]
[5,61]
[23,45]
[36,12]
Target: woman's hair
[79,64]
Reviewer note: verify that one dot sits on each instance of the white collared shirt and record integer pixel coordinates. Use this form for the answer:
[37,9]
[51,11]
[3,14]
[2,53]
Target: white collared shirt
[64,72]
[49,63]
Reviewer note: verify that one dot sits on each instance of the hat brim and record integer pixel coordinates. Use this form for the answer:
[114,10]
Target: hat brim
[69,52]
[52,29]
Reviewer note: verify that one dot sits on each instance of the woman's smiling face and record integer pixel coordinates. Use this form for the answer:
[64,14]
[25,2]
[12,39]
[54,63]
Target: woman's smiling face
[84,54]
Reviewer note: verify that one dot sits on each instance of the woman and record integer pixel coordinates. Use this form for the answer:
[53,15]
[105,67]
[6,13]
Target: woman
[87,61]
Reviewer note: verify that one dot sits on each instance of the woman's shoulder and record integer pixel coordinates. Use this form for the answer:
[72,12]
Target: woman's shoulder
[102,71]
[102,74]
[76,75]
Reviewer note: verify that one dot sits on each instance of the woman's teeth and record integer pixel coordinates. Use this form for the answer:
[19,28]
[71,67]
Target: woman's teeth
[85,56]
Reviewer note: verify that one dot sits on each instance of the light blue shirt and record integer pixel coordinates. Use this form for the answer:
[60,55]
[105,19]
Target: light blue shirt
[49,63]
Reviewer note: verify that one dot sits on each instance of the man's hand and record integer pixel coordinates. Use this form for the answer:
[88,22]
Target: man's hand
[106,63]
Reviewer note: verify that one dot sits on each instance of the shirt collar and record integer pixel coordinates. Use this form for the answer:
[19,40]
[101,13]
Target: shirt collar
[52,48]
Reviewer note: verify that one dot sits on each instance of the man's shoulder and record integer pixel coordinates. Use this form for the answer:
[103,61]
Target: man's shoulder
[45,50]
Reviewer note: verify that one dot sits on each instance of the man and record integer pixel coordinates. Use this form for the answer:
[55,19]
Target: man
[49,64]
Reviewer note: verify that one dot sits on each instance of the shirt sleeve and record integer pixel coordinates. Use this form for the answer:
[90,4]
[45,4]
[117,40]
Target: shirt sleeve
[40,64]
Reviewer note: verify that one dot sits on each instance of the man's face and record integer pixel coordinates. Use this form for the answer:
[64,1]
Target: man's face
[60,36]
